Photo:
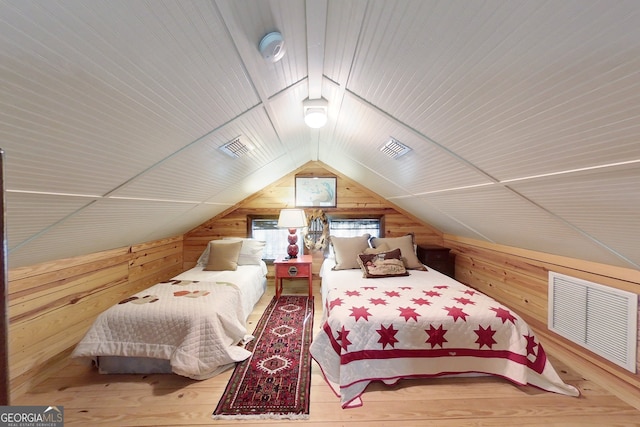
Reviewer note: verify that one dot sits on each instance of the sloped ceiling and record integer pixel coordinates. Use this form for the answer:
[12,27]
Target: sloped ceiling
[523,116]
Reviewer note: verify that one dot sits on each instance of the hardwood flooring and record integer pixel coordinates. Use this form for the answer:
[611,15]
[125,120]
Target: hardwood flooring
[91,399]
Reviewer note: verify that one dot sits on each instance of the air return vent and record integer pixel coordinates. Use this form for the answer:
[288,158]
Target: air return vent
[394,148]
[600,318]
[235,148]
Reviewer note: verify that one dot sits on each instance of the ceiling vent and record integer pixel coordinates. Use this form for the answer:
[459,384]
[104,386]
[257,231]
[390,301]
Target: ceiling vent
[235,148]
[394,148]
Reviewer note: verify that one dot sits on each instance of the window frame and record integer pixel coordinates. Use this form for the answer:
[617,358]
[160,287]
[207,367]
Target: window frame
[355,216]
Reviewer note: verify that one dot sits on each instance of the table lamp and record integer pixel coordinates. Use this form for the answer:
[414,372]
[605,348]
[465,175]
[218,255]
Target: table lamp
[292,219]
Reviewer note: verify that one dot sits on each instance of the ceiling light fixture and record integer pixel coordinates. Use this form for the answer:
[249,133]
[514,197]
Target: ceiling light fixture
[315,112]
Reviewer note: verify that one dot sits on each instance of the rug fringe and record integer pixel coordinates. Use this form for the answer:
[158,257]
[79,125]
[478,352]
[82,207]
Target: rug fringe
[267,416]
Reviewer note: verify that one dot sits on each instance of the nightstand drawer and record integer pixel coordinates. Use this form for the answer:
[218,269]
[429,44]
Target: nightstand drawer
[293,270]
[436,255]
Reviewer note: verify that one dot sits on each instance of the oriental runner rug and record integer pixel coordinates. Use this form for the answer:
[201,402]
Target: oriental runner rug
[275,381]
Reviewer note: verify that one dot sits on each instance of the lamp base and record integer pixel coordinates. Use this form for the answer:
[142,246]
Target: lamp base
[292,249]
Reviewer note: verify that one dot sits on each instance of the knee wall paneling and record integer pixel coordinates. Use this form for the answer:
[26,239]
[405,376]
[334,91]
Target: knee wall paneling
[51,305]
[519,279]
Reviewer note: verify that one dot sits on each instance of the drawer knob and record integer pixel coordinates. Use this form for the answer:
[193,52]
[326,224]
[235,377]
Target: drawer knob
[293,271]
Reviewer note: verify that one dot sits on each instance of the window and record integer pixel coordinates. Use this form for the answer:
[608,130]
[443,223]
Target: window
[353,227]
[266,228]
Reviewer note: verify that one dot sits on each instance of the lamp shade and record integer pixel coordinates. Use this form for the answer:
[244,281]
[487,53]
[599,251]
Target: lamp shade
[292,218]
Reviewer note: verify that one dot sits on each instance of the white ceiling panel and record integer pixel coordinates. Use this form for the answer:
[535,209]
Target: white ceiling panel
[604,203]
[29,214]
[213,170]
[255,182]
[345,18]
[436,218]
[115,84]
[506,218]
[428,167]
[516,88]
[249,22]
[92,229]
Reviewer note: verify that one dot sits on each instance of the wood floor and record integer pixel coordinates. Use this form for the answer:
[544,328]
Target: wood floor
[91,399]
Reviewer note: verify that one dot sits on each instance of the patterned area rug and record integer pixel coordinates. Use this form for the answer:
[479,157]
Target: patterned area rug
[275,381]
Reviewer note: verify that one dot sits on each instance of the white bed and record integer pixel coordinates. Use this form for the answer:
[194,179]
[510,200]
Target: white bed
[190,325]
[425,324]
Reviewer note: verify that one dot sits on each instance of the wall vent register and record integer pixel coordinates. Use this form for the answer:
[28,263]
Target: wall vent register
[597,317]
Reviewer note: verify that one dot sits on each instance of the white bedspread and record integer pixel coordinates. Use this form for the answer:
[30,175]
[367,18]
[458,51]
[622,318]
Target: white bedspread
[422,325]
[251,280]
[196,325]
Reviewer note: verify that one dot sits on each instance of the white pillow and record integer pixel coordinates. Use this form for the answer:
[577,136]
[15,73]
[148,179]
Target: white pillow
[250,254]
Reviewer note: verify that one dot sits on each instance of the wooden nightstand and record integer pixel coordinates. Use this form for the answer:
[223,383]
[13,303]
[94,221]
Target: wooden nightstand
[439,258]
[295,268]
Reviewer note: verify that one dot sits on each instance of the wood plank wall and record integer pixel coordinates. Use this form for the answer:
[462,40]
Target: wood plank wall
[352,199]
[51,305]
[519,279]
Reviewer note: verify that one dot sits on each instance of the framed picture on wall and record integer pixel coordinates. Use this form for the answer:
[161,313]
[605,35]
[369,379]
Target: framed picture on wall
[316,192]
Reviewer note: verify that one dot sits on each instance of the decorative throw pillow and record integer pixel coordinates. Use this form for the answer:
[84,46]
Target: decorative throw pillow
[251,252]
[223,255]
[347,249]
[383,264]
[405,244]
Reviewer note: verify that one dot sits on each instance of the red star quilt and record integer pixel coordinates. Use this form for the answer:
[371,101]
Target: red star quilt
[422,325]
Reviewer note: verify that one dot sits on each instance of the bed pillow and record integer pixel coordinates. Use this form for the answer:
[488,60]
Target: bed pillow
[251,252]
[204,257]
[223,255]
[383,264]
[381,248]
[347,249]
[405,244]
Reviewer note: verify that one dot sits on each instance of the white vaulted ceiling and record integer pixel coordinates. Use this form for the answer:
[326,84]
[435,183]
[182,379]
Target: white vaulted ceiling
[523,116]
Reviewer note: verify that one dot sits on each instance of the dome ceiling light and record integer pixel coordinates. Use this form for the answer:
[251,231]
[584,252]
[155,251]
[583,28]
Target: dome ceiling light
[315,112]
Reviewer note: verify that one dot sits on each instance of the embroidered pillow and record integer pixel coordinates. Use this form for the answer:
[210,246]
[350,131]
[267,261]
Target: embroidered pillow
[383,264]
